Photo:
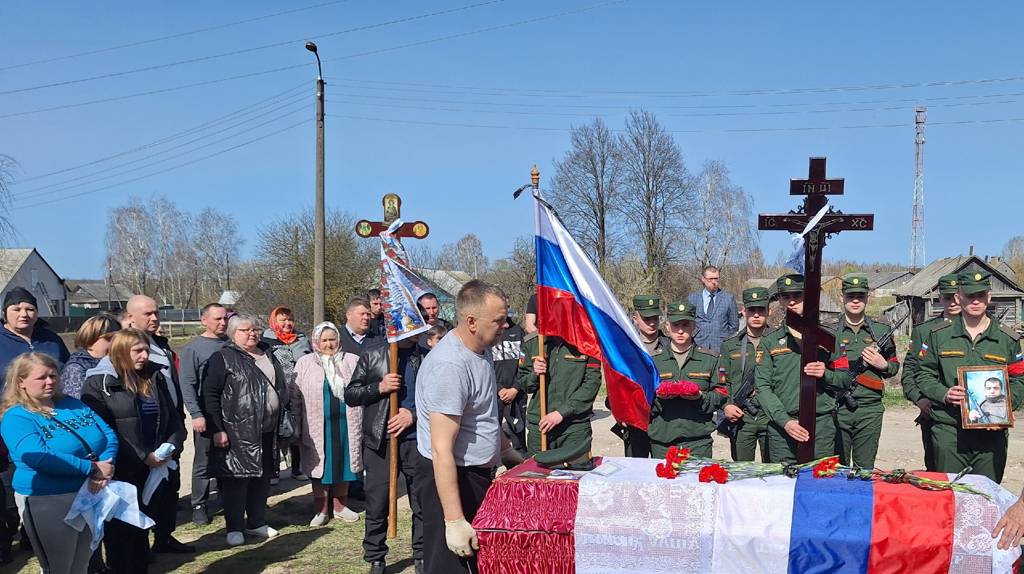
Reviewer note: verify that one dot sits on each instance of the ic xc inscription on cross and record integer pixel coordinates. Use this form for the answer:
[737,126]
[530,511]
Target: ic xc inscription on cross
[814,189]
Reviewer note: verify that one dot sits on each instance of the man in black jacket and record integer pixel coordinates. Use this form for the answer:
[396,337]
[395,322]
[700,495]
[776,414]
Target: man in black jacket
[356,335]
[506,355]
[370,388]
[377,326]
[143,314]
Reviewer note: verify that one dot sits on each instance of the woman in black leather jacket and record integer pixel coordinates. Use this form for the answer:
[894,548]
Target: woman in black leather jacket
[243,393]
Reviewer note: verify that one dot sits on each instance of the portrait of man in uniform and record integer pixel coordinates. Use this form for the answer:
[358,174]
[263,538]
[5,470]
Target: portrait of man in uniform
[987,403]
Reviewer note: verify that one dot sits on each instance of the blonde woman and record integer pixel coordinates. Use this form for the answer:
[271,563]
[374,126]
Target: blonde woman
[92,341]
[331,438]
[57,443]
[131,395]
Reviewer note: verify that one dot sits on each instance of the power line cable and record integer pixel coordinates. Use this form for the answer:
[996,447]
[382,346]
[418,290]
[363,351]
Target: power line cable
[246,50]
[286,68]
[533,20]
[118,169]
[170,37]
[166,139]
[178,166]
[704,93]
[901,125]
[155,92]
[686,115]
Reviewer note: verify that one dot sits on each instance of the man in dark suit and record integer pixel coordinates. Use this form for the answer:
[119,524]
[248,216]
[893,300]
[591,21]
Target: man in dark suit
[356,335]
[717,315]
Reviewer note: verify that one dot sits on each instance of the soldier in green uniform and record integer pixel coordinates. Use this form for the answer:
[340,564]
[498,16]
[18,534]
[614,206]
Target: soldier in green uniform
[917,348]
[972,339]
[686,421]
[859,410]
[647,320]
[739,356]
[777,379]
[572,385]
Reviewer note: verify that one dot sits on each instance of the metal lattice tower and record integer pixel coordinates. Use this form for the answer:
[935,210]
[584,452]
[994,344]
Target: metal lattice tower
[917,259]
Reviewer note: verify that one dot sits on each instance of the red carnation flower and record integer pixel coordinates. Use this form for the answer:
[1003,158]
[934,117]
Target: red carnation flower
[671,389]
[665,470]
[825,468]
[676,456]
[713,473]
[682,455]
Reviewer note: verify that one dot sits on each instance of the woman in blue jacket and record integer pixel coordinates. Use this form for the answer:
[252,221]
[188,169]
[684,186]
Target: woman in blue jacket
[21,331]
[57,444]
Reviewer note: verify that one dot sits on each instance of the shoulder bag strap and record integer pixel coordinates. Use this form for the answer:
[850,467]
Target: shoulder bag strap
[90,454]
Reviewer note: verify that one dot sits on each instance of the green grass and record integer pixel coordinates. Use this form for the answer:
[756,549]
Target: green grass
[334,549]
[892,397]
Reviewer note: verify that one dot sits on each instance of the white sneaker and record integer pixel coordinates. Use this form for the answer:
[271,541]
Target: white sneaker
[319,520]
[346,514]
[262,532]
[235,539]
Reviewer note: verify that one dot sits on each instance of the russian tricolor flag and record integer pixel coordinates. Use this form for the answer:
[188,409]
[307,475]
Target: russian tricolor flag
[628,521]
[574,303]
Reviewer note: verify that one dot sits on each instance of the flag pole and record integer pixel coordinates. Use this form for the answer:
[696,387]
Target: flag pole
[393,448]
[543,377]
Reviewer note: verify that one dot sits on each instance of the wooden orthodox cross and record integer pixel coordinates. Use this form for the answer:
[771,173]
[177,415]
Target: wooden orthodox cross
[814,189]
[417,230]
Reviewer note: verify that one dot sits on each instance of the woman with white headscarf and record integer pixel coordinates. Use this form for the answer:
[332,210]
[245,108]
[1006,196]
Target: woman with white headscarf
[330,439]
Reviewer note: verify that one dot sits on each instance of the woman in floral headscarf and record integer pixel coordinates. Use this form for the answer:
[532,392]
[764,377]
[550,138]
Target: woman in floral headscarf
[287,345]
[330,438]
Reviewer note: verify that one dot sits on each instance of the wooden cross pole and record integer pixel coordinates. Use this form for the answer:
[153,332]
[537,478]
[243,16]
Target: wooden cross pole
[814,189]
[542,379]
[417,230]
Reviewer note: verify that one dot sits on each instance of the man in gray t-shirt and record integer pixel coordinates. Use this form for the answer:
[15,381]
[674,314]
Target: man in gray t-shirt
[457,430]
[457,381]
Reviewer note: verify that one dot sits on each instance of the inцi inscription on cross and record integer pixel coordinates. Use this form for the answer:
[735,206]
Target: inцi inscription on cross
[815,190]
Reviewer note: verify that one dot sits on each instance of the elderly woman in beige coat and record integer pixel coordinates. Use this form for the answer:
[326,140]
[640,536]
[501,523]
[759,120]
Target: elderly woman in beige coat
[331,438]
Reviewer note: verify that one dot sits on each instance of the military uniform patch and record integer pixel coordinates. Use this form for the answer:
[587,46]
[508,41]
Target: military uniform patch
[780,351]
[758,356]
[698,375]
[995,358]
[945,354]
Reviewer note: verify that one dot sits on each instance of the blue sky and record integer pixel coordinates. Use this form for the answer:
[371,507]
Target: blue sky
[454,125]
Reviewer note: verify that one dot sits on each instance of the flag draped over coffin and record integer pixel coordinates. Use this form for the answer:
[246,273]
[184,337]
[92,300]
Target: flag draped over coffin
[401,287]
[574,303]
[631,522]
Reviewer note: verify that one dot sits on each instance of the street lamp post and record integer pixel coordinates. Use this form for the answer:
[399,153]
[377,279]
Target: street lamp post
[318,212]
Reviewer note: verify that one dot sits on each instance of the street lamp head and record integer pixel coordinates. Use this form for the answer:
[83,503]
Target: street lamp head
[311,46]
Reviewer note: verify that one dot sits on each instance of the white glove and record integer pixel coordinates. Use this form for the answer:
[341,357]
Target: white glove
[461,537]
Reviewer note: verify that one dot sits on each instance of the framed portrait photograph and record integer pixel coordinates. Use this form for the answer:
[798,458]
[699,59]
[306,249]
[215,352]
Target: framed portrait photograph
[987,401]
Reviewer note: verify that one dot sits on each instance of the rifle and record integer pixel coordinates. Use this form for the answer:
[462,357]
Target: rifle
[972,405]
[743,401]
[859,368]
[999,318]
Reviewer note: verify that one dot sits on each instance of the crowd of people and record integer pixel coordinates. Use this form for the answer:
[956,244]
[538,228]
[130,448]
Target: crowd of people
[114,411]
[255,394]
